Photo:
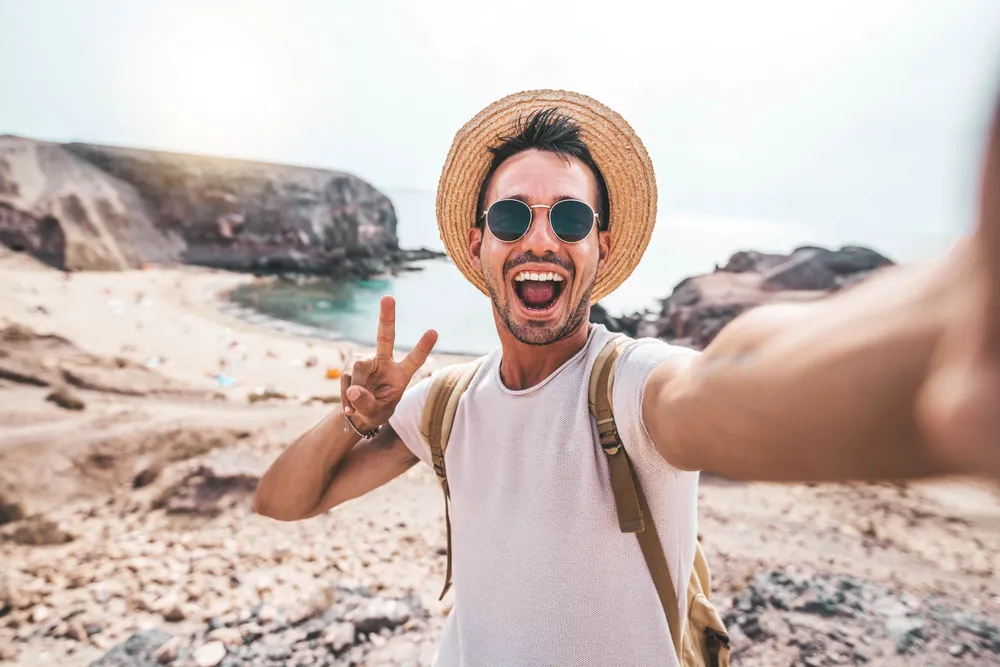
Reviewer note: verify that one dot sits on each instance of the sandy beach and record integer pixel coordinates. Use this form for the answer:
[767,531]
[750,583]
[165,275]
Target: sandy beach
[121,535]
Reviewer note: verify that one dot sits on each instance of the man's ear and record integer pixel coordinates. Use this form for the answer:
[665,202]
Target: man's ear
[603,250]
[475,247]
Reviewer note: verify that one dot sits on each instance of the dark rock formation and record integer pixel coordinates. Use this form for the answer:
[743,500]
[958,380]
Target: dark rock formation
[80,206]
[702,305]
[224,478]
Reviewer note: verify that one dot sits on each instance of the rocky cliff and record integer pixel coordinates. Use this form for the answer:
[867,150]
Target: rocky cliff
[701,306]
[81,206]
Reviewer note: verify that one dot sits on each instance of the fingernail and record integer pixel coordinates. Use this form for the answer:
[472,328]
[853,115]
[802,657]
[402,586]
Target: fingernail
[348,410]
[353,393]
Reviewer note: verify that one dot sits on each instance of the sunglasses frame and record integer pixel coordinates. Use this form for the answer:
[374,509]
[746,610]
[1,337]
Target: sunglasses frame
[531,210]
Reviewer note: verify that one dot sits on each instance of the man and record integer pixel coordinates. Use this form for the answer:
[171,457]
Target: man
[546,203]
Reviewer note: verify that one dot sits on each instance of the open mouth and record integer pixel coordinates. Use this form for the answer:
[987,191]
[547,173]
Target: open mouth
[538,292]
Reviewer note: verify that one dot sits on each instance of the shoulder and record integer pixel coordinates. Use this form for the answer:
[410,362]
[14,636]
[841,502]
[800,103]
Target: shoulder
[641,362]
[643,359]
[639,353]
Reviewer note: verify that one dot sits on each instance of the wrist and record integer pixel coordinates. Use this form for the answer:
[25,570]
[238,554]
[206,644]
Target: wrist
[362,427]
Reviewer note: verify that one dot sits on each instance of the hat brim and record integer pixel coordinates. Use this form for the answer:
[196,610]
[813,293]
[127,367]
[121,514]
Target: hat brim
[615,147]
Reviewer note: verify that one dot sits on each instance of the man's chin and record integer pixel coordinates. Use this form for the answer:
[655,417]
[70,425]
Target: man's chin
[536,326]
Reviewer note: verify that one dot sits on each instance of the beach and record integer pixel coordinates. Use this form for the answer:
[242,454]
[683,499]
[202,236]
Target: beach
[138,513]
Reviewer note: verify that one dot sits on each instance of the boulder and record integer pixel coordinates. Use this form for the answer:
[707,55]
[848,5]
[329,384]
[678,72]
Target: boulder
[223,478]
[37,531]
[66,399]
[701,306]
[803,271]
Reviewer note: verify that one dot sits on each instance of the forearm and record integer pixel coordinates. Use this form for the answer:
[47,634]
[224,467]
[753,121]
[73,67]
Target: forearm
[819,391]
[297,480]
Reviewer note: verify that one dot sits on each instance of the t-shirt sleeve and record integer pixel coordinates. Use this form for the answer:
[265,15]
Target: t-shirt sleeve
[634,365]
[405,421]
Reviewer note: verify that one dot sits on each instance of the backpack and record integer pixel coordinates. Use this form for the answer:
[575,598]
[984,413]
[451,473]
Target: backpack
[701,640]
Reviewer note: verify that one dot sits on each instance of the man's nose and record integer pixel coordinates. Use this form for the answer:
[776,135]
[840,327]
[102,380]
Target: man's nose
[540,238]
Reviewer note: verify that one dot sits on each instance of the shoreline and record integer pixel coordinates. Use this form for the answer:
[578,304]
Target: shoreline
[257,318]
[178,318]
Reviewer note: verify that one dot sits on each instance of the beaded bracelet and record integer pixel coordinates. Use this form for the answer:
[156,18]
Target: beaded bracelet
[367,436]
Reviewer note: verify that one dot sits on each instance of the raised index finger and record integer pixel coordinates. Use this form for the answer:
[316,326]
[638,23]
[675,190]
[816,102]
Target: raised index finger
[386,336]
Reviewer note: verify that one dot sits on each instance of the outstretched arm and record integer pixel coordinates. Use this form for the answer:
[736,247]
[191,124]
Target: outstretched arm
[814,391]
[897,377]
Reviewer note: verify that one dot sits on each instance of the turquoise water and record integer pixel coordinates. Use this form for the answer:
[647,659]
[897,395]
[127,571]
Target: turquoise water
[437,297]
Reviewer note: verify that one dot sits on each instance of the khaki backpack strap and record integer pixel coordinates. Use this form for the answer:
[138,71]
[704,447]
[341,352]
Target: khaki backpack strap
[599,398]
[633,511]
[656,561]
[436,422]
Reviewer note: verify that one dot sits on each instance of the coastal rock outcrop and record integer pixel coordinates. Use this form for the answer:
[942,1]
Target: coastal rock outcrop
[81,206]
[701,306]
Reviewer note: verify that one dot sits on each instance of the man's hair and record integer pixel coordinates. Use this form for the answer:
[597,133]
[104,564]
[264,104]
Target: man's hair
[546,130]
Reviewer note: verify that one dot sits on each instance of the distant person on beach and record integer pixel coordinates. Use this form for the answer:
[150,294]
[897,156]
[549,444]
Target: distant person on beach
[546,203]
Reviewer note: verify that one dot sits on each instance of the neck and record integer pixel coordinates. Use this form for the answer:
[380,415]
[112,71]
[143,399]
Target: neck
[523,366]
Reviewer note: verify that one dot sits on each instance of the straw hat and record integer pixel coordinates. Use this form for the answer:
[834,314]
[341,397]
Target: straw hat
[618,152]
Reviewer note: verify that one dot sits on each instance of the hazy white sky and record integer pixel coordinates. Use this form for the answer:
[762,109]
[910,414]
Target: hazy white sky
[379,87]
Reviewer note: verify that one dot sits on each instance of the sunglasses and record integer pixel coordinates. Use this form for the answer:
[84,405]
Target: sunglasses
[509,219]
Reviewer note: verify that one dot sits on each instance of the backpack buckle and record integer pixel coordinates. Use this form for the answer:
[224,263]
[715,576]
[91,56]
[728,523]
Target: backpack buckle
[609,438]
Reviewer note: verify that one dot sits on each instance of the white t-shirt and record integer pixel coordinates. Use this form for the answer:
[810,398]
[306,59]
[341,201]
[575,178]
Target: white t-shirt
[543,576]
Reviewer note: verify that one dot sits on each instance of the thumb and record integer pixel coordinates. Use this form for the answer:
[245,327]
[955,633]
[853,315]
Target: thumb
[362,400]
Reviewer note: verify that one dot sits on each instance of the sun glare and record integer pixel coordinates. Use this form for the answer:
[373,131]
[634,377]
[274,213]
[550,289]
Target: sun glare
[219,81]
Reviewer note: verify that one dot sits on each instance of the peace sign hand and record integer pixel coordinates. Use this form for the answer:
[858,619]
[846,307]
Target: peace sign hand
[373,387]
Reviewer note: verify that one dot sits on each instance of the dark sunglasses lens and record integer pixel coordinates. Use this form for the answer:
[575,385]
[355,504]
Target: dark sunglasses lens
[572,220]
[508,219]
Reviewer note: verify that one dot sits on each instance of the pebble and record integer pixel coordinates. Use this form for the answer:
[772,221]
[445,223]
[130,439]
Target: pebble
[210,654]
[228,636]
[338,636]
[39,614]
[168,651]
[171,609]
[267,614]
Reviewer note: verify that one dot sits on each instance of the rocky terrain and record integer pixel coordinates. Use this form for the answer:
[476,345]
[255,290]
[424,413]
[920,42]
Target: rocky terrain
[701,306]
[135,420]
[81,206]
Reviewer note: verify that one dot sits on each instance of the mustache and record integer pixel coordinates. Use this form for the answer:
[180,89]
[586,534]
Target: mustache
[531,258]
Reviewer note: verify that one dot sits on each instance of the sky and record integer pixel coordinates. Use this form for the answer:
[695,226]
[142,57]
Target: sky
[758,108]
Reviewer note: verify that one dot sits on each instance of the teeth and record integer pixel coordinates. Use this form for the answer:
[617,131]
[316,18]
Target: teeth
[528,275]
